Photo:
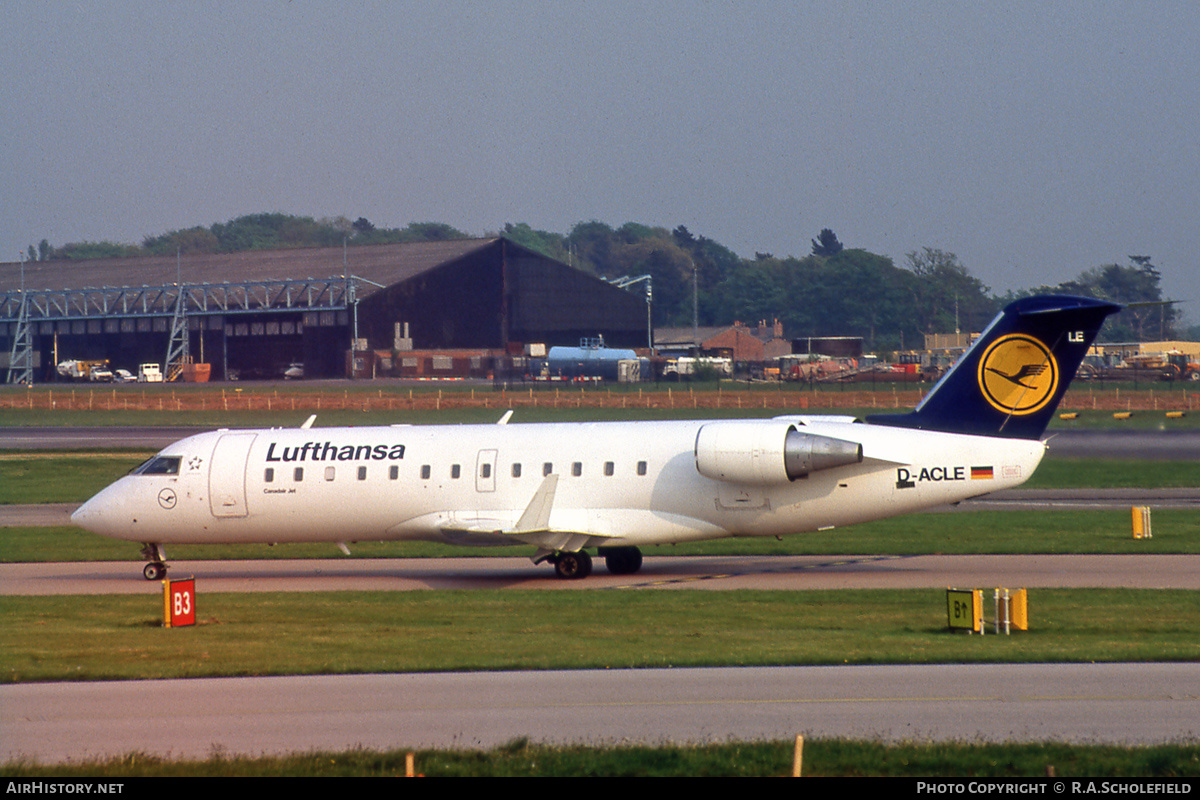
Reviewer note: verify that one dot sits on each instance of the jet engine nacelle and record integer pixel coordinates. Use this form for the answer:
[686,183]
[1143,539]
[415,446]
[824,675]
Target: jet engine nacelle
[767,452]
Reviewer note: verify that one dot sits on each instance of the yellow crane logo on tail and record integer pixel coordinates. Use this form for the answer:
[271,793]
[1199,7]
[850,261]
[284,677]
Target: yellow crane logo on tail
[1018,374]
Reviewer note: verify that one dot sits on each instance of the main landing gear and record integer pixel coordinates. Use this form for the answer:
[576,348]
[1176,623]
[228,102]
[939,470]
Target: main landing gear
[618,560]
[622,560]
[156,570]
[572,566]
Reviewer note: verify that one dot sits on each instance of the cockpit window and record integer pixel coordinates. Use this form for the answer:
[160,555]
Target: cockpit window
[159,465]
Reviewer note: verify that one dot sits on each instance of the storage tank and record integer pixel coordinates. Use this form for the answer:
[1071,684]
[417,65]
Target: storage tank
[590,360]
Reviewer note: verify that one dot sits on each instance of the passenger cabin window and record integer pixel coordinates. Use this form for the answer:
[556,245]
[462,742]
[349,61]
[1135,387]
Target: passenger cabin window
[547,468]
[269,474]
[393,472]
[455,471]
[516,470]
[298,475]
[159,465]
[641,468]
[608,468]
[426,471]
[577,468]
[330,473]
[485,470]
[362,473]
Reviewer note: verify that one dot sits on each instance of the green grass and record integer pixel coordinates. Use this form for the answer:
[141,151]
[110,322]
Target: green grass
[118,637]
[821,757]
[64,638]
[51,477]
[955,533]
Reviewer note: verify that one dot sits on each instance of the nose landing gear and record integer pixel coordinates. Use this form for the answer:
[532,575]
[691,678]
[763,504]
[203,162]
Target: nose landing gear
[156,570]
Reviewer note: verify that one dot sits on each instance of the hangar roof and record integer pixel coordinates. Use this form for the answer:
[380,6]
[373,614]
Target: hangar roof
[384,264]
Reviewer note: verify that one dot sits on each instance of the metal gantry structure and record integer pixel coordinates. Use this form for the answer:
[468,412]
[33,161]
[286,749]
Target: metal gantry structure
[178,349]
[199,298]
[27,313]
[20,359]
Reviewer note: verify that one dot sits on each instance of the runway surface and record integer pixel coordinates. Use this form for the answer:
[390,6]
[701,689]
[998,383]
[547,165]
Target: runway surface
[1128,704]
[713,573]
[1162,445]
[114,437]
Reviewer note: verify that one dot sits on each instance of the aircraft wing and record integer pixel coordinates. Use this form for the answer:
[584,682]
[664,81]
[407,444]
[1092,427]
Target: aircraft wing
[535,519]
[532,527]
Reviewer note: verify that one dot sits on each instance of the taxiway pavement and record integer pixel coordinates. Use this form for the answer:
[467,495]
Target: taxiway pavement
[715,573]
[1123,704]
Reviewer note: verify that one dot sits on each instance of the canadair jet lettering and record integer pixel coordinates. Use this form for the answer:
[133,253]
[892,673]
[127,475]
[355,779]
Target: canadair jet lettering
[565,488]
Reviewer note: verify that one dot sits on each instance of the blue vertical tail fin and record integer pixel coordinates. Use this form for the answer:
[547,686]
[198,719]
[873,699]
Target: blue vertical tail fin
[1012,378]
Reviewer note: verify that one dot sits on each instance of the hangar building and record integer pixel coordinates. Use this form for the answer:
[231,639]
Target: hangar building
[253,313]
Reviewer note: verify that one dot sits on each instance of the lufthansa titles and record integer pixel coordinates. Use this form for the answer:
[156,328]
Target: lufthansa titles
[329,451]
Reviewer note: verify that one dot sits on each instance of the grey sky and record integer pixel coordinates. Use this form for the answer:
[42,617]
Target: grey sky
[1035,140]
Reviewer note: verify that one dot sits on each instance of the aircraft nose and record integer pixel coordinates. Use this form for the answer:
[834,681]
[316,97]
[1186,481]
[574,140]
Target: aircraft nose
[100,514]
[86,515]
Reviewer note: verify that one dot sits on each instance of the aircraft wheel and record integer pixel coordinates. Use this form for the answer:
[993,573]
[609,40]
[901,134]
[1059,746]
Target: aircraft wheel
[155,571]
[573,565]
[622,560]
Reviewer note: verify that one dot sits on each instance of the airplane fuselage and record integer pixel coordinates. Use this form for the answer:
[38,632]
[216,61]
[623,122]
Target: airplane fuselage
[617,486]
[618,483]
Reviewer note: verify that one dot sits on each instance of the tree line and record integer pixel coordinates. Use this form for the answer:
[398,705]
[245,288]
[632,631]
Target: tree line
[834,290]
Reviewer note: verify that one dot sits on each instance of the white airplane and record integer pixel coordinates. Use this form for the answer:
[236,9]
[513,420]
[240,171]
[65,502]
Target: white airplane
[563,488]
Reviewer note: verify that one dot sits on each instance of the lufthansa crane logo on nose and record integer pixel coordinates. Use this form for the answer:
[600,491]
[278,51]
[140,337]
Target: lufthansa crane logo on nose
[1018,374]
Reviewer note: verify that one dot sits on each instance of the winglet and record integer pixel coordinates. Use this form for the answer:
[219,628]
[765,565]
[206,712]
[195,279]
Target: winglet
[507,416]
[537,513]
[309,422]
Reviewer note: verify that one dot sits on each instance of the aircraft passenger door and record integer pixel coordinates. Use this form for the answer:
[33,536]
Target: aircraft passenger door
[227,475]
[485,471]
